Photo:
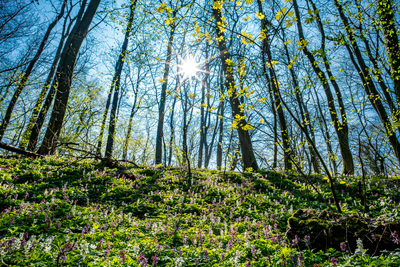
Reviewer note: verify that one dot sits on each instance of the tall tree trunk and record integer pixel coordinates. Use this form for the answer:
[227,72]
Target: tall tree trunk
[186,107]
[161,107]
[37,127]
[387,20]
[207,147]
[63,78]
[202,121]
[340,125]
[384,88]
[326,135]
[172,134]
[116,84]
[221,123]
[7,86]
[304,114]
[272,80]
[133,112]
[249,158]
[220,135]
[28,71]
[369,86]
[27,136]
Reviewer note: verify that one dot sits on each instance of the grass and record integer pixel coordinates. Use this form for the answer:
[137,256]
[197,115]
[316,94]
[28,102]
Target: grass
[59,212]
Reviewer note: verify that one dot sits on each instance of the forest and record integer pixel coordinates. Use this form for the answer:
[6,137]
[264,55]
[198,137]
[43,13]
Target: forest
[199,133]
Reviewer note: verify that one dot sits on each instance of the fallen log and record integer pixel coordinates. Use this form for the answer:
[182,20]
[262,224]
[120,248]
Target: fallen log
[18,150]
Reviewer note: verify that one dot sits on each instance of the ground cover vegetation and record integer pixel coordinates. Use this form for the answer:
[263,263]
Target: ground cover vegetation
[68,212]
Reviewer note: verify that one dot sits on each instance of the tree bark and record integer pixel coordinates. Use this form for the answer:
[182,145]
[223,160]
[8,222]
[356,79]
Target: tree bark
[63,78]
[172,134]
[37,127]
[202,121]
[161,107]
[249,158]
[30,136]
[29,70]
[387,20]
[18,150]
[367,81]
[341,127]
[116,84]
[133,112]
[273,82]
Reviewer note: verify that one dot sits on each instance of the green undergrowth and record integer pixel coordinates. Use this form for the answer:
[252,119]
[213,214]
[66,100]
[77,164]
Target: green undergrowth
[62,212]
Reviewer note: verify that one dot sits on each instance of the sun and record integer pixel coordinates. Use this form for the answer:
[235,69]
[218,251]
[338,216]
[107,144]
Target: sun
[189,67]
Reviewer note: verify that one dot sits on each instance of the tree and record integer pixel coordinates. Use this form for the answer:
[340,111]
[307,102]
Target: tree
[29,70]
[274,85]
[116,85]
[173,21]
[240,123]
[63,78]
[340,123]
[367,81]
[39,112]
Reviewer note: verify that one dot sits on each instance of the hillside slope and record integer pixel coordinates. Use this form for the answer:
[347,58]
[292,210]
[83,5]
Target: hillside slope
[62,212]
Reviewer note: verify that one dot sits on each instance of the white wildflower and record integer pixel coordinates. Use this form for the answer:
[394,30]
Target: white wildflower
[73,210]
[179,262]
[360,247]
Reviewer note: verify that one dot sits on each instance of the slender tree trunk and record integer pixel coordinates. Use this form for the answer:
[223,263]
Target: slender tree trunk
[249,158]
[28,71]
[387,20]
[369,86]
[63,78]
[384,88]
[116,84]
[186,107]
[26,137]
[172,134]
[37,127]
[304,114]
[202,122]
[133,112]
[221,123]
[341,127]
[325,132]
[7,86]
[275,153]
[273,82]
[161,108]
[203,114]
[40,119]
[220,135]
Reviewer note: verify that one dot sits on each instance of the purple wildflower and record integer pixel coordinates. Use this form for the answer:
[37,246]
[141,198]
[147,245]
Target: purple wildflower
[300,260]
[291,256]
[142,260]
[100,243]
[154,258]
[222,256]
[107,251]
[395,237]
[343,246]
[334,261]
[295,241]
[122,255]
[308,240]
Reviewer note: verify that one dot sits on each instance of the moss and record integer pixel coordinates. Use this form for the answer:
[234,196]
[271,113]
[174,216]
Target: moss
[329,230]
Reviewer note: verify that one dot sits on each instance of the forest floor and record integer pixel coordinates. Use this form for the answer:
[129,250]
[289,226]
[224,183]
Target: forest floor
[62,212]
